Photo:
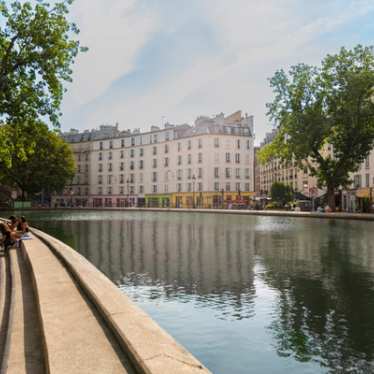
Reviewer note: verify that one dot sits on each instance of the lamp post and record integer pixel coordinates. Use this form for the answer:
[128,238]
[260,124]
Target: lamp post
[193,189]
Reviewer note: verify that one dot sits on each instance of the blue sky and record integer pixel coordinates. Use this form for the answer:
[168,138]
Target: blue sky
[156,60]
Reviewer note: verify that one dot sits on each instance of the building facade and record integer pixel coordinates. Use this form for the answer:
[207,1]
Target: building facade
[209,164]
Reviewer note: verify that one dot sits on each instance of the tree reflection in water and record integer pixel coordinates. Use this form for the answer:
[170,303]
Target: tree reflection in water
[320,273]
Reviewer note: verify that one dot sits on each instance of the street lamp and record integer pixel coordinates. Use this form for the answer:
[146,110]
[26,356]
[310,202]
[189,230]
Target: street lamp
[193,189]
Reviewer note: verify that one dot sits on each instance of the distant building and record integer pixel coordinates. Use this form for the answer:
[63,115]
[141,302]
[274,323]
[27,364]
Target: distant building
[209,164]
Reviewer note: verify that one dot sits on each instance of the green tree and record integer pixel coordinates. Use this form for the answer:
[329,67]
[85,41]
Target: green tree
[281,193]
[325,116]
[48,169]
[37,49]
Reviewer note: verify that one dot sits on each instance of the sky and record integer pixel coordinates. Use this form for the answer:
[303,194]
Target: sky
[152,61]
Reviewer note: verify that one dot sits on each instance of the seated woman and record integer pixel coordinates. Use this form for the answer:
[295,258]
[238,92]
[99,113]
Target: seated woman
[13,222]
[23,226]
[8,237]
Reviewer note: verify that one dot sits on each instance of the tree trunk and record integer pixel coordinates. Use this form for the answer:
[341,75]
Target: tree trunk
[331,197]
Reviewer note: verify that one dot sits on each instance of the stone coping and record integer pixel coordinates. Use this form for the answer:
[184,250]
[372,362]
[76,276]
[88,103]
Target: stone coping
[269,213]
[150,348]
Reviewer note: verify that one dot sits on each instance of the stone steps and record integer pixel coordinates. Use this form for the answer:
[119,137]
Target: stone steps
[23,351]
[76,340]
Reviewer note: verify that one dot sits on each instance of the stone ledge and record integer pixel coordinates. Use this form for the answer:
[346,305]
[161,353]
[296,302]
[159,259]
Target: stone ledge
[152,350]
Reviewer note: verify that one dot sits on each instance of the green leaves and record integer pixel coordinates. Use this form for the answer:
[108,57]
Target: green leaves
[37,49]
[40,159]
[331,106]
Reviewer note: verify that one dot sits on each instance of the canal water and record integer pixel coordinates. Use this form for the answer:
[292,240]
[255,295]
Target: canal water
[245,294]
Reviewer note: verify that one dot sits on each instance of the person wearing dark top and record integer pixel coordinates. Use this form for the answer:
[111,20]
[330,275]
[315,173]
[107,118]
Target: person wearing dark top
[8,237]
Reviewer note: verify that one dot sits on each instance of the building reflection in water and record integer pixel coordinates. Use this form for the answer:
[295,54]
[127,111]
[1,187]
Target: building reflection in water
[321,273]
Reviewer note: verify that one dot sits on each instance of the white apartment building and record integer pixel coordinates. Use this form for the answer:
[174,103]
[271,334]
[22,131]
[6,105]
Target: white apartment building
[209,164]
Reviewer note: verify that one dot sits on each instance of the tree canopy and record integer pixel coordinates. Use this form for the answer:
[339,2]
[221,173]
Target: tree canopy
[37,50]
[281,193]
[48,169]
[325,116]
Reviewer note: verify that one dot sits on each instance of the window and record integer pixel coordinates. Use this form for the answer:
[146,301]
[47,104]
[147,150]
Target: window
[109,179]
[110,167]
[247,173]
[216,172]
[228,187]
[109,190]
[228,173]
[100,156]
[200,143]
[154,138]
[228,158]
[141,177]
[166,148]
[121,190]
[367,163]
[237,173]
[154,151]
[110,155]
[189,174]
[132,178]
[111,144]
[141,152]
[357,181]
[238,143]
[78,180]
[216,143]
[216,186]
[141,189]
[237,186]
[367,177]
[154,177]
[189,187]
[167,136]
[179,174]
[154,188]
[179,160]
[189,144]
[189,159]
[179,187]
[200,187]
[132,153]
[100,168]
[200,158]
[121,167]
[79,157]
[247,186]
[101,146]
[100,179]
[100,190]
[200,173]
[237,158]
[132,190]
[166,188]
[141,164]
[155,163]
[179,147]
[86,157]
[123,143]
[86,168]
[121,179]
[166,162]
[132,141]
[122,154]
[248,144]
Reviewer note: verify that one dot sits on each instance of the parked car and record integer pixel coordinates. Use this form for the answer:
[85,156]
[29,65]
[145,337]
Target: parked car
[303,205]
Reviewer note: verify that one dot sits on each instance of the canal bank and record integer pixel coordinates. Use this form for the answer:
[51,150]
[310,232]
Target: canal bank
[62,313]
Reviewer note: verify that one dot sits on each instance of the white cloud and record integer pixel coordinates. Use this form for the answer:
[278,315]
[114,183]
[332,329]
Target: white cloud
[252,39]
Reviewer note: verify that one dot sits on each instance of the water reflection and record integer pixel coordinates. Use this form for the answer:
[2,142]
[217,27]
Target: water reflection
[305,288]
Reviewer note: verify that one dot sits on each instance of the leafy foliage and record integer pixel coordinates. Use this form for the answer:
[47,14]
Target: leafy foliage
[325,116]
[36,52]
[281,193]
[49,168]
